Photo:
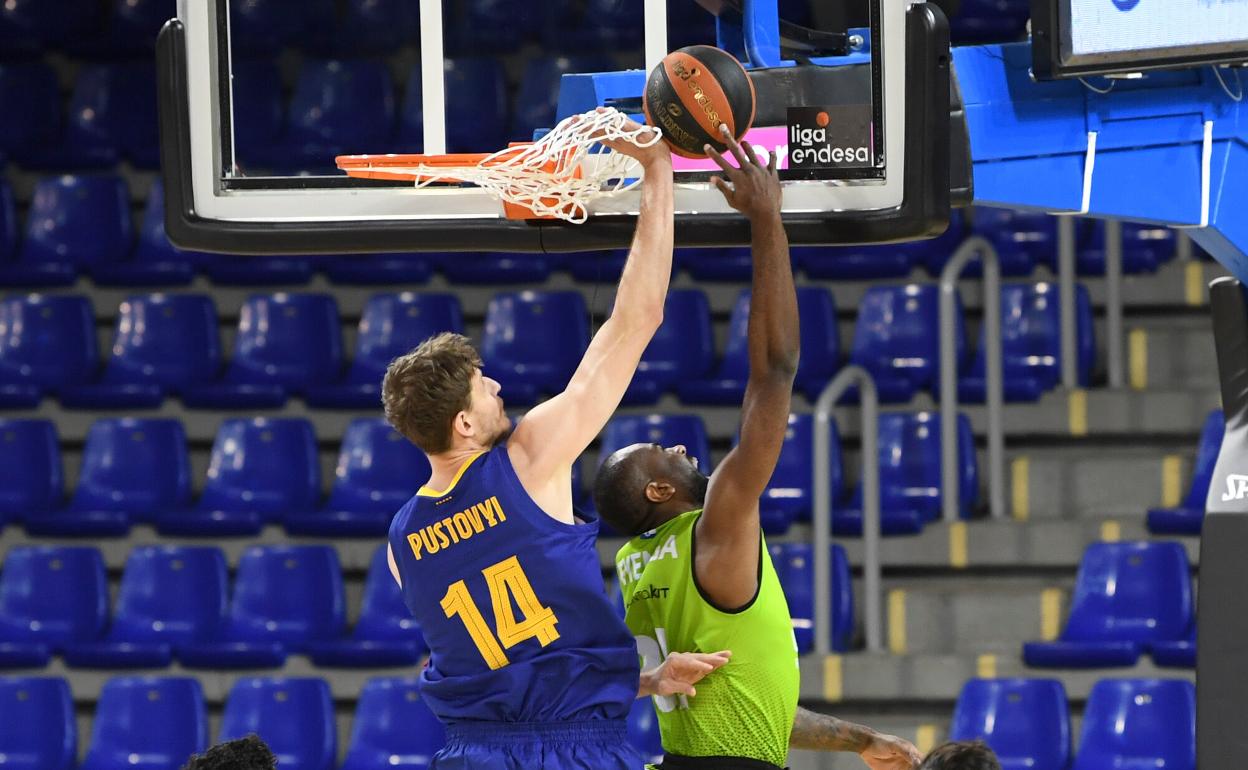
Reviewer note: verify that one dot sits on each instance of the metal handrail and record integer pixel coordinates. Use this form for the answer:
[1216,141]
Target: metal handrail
[970,249]
[869,414]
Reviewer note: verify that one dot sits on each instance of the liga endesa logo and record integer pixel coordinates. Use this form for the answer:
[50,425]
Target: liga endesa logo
[1125,5]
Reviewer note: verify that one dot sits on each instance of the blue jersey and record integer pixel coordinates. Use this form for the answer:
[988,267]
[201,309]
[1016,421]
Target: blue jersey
[511,603]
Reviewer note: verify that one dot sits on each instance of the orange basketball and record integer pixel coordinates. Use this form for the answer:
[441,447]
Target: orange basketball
[692,92]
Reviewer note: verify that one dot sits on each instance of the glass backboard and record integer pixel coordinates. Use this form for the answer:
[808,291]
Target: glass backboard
[259,96]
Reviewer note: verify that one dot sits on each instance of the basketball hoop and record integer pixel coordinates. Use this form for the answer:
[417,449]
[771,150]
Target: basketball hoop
[555,177]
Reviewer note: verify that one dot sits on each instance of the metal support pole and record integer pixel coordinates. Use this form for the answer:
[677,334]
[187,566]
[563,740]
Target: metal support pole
[1066,294]
[873,618]
[432,77]
[1113,304]
[950,492]
[655,21]
[1183,246]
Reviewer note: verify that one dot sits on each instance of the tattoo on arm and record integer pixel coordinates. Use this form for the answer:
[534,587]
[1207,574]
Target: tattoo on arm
[822,732]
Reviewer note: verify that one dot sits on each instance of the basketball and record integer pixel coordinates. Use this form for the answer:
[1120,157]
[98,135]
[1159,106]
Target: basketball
[692,92]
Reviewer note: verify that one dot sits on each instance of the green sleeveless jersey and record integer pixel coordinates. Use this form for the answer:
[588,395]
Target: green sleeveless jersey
[744,709]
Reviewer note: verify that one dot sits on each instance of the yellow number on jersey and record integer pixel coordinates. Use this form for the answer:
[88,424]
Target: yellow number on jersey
[506,581]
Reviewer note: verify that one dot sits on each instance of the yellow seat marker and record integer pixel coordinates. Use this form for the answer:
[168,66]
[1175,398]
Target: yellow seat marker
[1137,356]
[1050,614]
[986,667]
[1077,408]
[925,738]
[958,545]
[1111,531]
[1171,489]
[833,678]
[897,621]
[1020,488]
[1194,283]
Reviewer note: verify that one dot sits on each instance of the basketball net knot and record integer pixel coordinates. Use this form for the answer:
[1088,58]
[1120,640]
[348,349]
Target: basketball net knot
[551,176]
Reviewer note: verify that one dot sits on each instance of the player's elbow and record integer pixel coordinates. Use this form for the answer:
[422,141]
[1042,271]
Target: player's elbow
[783,363]
[643,318]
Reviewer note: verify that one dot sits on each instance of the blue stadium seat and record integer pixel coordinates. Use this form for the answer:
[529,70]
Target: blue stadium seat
[598,266]
[1127,596]
[534,341]
[340,107]
[134,25]
[295,717]
[170,596]
[989,21]
[391,325]
[386,633]
[852,263]
[682,350]
[31,478]
[49,598]
[265,26]
[897,339]
[476,107]
[364,27]
[286,343]
[1022,239]
[112,116]
[666,430]
[378,269]
[261,470]
[132,470]
[601,25]
[155,261]
[74,223]
[910,483]
[491,25]
[38,730]
[147,723]
[1025,721]
[538,97]
[8,223]
[794,564]
[790,493]
[1031,344]
[47,343]
[393,728]
[34,86]
[1188,517]
[495,268]
[821,351]
[1144,248]
[284,597]
[258,107]
[378,471]
[162,344]
[730,265]
[643,731]
[1176,654]
[1139,723]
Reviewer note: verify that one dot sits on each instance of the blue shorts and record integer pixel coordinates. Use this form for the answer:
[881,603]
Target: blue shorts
[592,745]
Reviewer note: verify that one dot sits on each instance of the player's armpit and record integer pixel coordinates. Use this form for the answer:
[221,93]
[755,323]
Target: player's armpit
[678,674]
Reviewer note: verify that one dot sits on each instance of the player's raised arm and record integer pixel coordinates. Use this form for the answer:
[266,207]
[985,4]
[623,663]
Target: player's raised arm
[728,533]
[554,434]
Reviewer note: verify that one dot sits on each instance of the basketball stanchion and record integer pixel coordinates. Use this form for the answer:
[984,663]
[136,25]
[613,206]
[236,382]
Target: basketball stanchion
[557,176]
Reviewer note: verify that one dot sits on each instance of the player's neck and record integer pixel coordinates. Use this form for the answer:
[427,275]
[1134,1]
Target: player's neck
[669,510]
[445,466]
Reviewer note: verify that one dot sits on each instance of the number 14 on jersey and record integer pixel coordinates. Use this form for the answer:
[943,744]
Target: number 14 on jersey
[506,581]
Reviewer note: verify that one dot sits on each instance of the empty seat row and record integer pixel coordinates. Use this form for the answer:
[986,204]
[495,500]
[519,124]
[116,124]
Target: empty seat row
[260,471]
[174,602]
[265,471]
[1130,599]
[291,344]
[157,723]
[1126,723]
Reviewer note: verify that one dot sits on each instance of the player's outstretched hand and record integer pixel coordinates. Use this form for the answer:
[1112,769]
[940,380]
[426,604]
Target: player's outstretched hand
[658,151]
[751,187]
[888,752]
[682,670]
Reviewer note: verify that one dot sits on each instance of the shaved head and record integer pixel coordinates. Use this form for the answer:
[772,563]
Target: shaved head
[637,486]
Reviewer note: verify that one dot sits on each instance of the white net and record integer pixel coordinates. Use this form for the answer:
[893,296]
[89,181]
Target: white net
[551,176]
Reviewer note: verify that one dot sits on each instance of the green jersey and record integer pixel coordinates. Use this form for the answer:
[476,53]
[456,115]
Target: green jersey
[746,708]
